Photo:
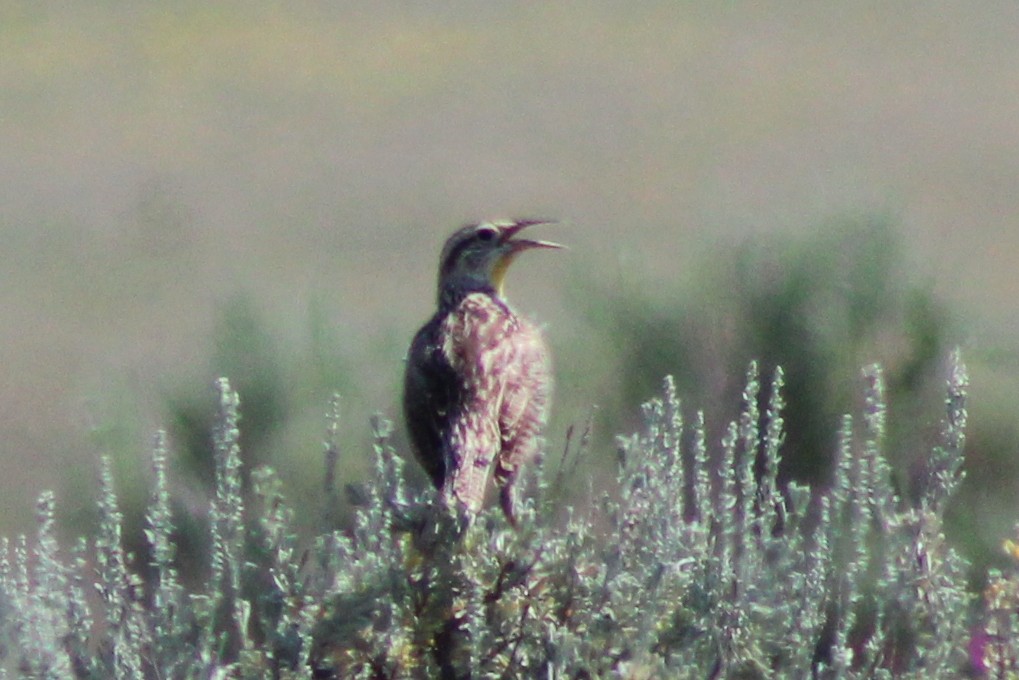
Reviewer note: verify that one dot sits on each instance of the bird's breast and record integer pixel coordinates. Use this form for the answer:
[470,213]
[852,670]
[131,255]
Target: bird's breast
[476,331]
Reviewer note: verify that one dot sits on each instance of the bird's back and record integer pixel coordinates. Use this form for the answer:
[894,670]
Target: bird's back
[476,393]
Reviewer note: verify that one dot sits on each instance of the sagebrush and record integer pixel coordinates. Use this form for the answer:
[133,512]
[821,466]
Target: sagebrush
[696,564]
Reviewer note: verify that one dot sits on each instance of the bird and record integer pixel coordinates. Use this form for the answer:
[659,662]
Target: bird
[477,380]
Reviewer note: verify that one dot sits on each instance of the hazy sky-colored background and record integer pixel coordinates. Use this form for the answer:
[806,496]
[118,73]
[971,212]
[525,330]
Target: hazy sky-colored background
[157,159]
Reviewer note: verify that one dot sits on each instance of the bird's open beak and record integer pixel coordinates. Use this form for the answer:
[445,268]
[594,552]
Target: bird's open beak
[517,245]
[510,247]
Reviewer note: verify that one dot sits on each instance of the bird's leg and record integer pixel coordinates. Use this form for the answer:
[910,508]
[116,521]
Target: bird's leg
[505,478]
[508,501]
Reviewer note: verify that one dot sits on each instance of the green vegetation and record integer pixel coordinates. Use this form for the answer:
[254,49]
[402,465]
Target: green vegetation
[819,305]
[735,581]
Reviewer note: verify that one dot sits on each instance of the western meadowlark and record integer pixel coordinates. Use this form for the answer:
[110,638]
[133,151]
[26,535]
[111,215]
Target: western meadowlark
[477,380]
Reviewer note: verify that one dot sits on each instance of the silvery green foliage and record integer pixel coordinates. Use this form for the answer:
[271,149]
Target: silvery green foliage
[695,565]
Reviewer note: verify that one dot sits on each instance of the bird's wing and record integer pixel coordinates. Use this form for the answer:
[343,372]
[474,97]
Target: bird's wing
[429,394]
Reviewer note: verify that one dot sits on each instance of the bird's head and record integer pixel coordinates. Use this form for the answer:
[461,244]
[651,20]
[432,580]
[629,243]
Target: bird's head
[477,256]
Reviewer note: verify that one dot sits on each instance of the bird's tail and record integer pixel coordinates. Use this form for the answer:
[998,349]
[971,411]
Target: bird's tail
[468,485]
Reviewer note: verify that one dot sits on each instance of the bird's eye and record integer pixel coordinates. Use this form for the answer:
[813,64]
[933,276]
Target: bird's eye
[487,235]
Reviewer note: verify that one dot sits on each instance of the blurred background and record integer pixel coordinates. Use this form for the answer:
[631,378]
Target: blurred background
[261,189]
